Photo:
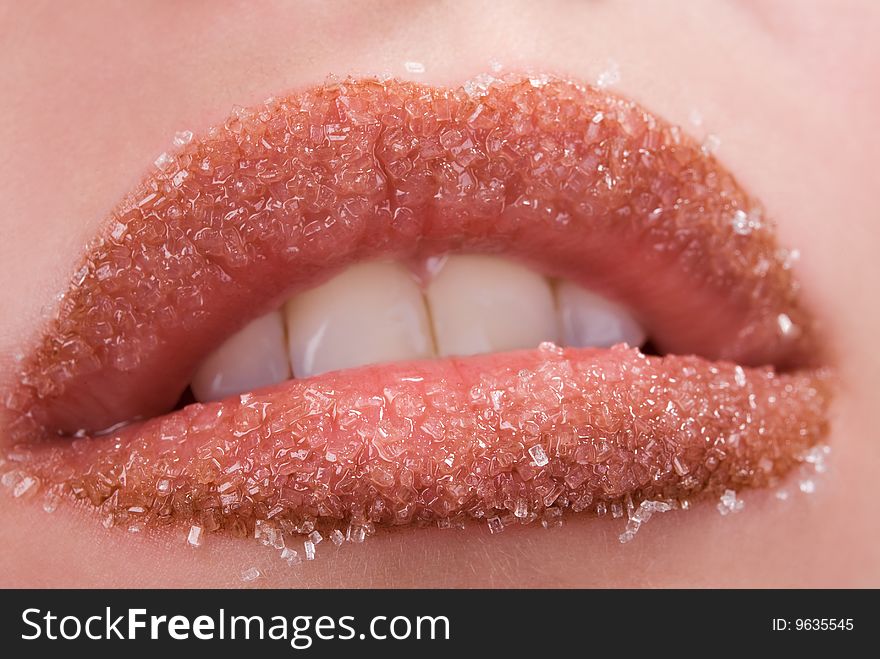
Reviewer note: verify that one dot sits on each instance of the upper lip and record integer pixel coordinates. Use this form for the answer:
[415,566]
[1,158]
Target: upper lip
[577,181]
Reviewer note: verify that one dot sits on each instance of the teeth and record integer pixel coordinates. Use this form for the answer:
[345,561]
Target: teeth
[377,312]
[373,312]
[486,304]
[254,357]
[586,319]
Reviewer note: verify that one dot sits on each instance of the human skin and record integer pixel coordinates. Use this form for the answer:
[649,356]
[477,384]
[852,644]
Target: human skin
[94,91]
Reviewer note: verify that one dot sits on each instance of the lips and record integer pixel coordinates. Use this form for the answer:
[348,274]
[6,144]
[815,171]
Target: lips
[575,182]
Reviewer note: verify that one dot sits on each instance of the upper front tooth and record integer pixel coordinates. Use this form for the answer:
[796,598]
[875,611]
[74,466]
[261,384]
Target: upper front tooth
[254,357]
[589,320]
[372,312]
[486,304]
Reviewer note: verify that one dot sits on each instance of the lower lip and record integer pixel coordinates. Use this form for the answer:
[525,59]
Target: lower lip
[520,433]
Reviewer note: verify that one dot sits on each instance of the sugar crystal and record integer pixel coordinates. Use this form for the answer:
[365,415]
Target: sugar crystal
[10,478]
[679,466]
[50,503]
[164,161]
[251,574]
[552,518]
[641,515]
[291,556]
[729,503]
[789,257]
[179,178]
[182,137]
[538,455]
[786,326]
[194,538]
[817,456]
[26,485]
[710,144]
[610,76]
[538,81]
[357,534]
[740,223]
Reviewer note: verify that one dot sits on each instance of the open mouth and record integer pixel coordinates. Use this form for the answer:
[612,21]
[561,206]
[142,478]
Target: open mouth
[387,303]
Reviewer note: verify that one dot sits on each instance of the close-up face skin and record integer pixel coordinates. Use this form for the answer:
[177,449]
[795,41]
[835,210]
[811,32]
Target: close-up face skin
[370,180]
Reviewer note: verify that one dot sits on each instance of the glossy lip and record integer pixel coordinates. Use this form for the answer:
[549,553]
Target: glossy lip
[574,180]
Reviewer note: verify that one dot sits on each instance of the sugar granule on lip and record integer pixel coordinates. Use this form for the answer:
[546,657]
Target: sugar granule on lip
[309,550]
[194,537]
[50,502]
[610,76]
[357,534]
[250,574]
[291,556]
[25,486]
[182,138]
[730,503]
[818,458]
[710,144]
[10,478]
[786,326]
[164,161]
[539,455]
[642,515]
[552,518]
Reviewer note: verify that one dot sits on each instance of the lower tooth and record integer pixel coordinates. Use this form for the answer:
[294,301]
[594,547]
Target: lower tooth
[589,320]
[371,313]
[254,357]
[487,304]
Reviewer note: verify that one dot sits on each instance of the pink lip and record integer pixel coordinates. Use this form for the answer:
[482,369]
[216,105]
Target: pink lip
[476,437]
[575,181]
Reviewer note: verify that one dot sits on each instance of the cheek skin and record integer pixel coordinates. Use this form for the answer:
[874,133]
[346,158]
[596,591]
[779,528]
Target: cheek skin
[770,543]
